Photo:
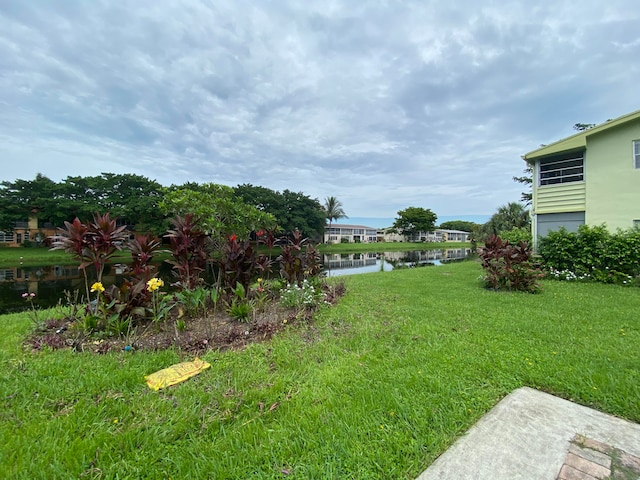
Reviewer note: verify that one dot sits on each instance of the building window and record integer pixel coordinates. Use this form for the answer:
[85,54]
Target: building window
[636,223]
[562,170]
[636,154]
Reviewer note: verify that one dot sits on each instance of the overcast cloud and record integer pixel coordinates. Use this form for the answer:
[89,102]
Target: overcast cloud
[383,104]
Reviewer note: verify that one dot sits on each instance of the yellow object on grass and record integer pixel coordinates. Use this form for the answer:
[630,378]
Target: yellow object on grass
[175,374]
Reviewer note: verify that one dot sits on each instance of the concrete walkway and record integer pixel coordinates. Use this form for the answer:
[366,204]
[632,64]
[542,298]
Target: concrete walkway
[534,435]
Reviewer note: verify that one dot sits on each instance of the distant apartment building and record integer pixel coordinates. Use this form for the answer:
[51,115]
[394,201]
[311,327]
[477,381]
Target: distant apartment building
[338,233]
[438,235]
[27,232]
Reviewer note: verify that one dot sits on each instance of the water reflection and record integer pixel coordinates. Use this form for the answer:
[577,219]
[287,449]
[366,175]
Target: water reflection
[355,263]
[50,283]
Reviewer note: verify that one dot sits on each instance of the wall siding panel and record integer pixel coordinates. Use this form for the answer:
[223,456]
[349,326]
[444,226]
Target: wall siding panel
[568,197]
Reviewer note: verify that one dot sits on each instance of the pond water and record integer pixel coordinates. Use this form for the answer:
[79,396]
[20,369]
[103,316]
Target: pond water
[50,283]
[354,263]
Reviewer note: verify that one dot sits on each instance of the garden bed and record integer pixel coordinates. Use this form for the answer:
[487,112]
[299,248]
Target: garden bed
[216,331]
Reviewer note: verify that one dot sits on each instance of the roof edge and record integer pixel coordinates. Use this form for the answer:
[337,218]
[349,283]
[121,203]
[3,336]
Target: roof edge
[579,139]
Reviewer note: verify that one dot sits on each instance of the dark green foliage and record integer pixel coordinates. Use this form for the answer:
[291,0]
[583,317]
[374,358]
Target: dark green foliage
[412,220]
[22,198]
[526,180]
[129,300]
[593,253]
[292,211]
[188,247]
[131,198]
[461,225]
[507,217]
[509,267]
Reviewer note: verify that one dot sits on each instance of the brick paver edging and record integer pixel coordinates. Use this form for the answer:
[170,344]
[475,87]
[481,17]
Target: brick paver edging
[590,459]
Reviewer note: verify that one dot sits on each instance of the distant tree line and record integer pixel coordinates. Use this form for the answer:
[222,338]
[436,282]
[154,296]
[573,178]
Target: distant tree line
[146,206]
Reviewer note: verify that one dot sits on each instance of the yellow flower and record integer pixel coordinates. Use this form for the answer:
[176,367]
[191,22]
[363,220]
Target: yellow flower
[259,280]
[154,284]
[97,287]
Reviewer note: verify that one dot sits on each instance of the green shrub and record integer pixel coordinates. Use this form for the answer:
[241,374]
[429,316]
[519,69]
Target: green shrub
[593,253]
[516,235]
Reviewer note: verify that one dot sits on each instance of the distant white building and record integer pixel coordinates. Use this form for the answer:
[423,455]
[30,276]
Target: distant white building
[454,235]
[339,233]
[438,235]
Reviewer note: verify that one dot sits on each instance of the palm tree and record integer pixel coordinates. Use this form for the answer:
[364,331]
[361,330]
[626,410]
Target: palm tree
[509,216]
[333,210]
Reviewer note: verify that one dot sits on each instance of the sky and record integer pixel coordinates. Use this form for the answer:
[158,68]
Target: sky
[382,104]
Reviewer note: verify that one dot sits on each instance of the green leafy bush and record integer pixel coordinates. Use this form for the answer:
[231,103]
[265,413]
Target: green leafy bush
[509,267]
[516,235]
[592,253]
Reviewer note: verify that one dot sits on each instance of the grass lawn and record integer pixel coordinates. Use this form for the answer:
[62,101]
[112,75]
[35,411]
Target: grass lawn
[377,387]
[37,256]
[388,247]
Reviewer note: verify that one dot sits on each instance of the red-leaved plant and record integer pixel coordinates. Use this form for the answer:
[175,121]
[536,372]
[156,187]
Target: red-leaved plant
[91,244]
[299,259]
[188,247]
[509,267]
[240,263]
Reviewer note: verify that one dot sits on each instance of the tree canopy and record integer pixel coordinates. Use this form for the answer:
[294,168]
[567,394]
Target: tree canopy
[131,198]
[292,210]
[527,180]
[581,127]
[461,225]
[217,210]
[136,201]
[507,217]
[412,220]
[21,198]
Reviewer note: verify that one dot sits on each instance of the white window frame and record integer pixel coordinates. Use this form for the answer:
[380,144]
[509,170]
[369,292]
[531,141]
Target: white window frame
[636,154]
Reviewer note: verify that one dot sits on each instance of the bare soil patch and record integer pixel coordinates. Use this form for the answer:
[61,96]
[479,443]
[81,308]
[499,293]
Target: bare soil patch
[216,331]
